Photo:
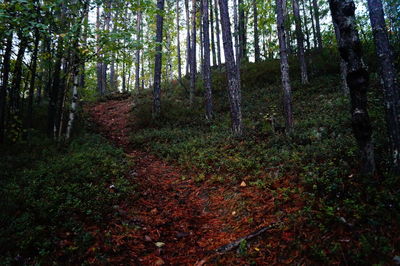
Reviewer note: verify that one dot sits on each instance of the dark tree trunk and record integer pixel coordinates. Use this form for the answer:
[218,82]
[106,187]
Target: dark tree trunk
[158,61]
[306,25]
[54,90]
[188,42]
[242,32]
[214,55]
[17,76]
[231,69]
[206,62]
[287,91]
[317,23]
[99,67]
[138,38]
[178,41]
[217,22]
[389,81]
[33,78]
[193,63]
[4,85]
[343,66]
[256,35]
[343,13]
[300,42]
[313,24]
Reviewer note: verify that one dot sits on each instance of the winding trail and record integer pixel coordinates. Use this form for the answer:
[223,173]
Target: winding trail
[171,220]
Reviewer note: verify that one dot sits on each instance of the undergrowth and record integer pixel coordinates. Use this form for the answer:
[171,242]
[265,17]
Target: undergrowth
[321,155]
[50,195]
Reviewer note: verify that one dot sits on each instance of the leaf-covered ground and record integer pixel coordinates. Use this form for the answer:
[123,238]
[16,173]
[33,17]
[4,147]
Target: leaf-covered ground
[174,220]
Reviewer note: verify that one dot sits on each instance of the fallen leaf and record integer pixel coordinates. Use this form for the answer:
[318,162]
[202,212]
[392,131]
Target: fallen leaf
[243,184]
[160,244]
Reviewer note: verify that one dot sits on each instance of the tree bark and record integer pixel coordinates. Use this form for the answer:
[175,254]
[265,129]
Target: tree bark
[389,81]
[217,22]
[256,35]
[343,13]
[74,103]
[343,66]
[53,93]
[158,60]
[178,42]
[313,24]
[300,42]
[138,38]
[99,66]
[287,91]
[317,23]
[4,85]
[33,79]
[193,63]
[231,69]
[242,32]
[188,42]
[206,62]
[306,25]
[214,55]
[17,75]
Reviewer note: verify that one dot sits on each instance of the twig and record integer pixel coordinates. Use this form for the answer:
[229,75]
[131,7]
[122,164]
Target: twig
[235,244]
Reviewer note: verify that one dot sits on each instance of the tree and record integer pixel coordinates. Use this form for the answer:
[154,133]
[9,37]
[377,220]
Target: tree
[256,35]
[158,60]
[217,22]
[231,69]
[389,81]
[317,23]
[343,14]
[206,62]
[287,91]
[178,42]
[193,63]
[300,42]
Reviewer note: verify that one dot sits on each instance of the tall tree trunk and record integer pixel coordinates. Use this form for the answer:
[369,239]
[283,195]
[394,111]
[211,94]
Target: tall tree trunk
[217,22]
[138,38]
[236,33]
[33,79]
[188,42]
[213,50]
[4,85]
[242,32]
[313,24]
[74,104]
[306,25]
[256,34]
[193,63]
[158,60]
[287,26]
[287,91]
[343,66]
[317,23]
[343,13]
[206,62]
[300,42]
[55,87]
[178,41]
[231,69]
[17,75]
[99,67]
[389,80]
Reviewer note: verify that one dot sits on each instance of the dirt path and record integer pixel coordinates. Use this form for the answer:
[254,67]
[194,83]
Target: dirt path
[172,221]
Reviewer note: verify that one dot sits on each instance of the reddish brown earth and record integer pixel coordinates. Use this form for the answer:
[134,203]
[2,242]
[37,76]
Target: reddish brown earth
[187,220]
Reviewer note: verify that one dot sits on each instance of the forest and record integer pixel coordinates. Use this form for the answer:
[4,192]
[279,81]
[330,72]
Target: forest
[199,132]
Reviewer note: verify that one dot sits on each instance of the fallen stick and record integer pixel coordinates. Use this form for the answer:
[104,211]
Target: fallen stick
[235,244]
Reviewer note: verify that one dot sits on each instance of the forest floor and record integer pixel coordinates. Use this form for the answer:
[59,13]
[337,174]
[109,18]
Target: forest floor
[172,219]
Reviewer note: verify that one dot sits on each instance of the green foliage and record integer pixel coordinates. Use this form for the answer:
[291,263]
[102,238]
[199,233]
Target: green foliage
[321,154]
[51,194]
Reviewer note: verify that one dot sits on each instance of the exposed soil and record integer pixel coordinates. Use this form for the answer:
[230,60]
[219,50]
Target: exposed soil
[172,220]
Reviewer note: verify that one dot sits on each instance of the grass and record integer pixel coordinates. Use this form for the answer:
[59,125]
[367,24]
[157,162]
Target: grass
[51,194]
